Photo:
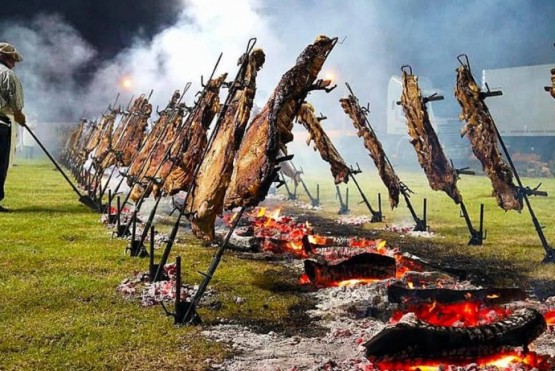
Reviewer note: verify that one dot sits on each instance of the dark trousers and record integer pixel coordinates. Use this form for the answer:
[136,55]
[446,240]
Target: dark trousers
[5,145]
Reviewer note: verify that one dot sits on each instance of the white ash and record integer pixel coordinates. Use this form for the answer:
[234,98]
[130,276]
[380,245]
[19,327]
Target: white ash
[341,346]
[270,198]
[408,230]
[138,287]
[354,220]
[352,315]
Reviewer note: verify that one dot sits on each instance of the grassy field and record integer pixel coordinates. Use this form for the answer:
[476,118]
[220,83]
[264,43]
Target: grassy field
[59,270]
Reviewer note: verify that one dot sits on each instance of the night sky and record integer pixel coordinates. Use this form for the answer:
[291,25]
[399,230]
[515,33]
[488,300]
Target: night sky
[108,25]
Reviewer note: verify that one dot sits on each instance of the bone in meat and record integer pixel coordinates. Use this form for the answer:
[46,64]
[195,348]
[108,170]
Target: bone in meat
[102,129]
[480,130]
[171,116]
[156,154]
[307,117]
[255,163]
[73,139]
[134,132]
[207,198]
[179,176]
[441,175]
[387,174]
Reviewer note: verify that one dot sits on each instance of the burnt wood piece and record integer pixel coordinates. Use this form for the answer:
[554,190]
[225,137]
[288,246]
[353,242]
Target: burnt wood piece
[441,175]
[207,195]
[256,162]
[412,338]
[397,293]
[480,130]
[307,117]
[362,266]
[352,108]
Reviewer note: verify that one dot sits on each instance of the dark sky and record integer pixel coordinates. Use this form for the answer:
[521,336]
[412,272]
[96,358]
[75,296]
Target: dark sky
[109,25]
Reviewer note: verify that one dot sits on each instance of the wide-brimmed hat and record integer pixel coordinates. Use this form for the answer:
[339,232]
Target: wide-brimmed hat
[9,49]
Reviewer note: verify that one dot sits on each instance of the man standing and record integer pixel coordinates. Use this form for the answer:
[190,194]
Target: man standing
[11,105]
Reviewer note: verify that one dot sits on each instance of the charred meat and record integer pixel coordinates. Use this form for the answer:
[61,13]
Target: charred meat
[207,197]
[187,152]
[307,117]
[130,135]
[352,108]
[255,163]
[439,171]
[481,131]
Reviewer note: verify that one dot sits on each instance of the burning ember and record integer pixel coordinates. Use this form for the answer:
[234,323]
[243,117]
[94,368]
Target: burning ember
[467,314]
[503,361]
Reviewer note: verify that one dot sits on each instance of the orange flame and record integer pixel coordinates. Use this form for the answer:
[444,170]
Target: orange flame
[468,313]
[550,317]
[355,281]
[502,360]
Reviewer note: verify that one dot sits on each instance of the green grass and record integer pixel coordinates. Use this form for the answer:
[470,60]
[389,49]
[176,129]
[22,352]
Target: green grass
[512,250]
[59,308]
[59,270]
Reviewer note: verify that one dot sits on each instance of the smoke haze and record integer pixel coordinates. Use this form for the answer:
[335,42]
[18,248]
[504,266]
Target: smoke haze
[65,77]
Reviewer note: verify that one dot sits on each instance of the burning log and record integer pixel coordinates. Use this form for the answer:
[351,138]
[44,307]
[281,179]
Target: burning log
[412,338]
[480,130]
[270,130]
[207,196]
[307,117]
[357,114]
[397,293]
[362,266]
[439,171]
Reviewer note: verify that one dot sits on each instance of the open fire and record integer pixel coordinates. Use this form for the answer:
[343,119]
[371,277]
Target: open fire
[339,262]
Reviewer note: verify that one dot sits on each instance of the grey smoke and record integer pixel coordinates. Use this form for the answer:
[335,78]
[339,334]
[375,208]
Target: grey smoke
[380,37]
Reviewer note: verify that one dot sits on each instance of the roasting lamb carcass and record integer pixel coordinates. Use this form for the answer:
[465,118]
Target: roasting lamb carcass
[171,116]
[178,172]
[73,140]
[352,108]
[480,130]
[131,135]
[307,117]
[441,175]
[103,130]
[207,197]
[256,161]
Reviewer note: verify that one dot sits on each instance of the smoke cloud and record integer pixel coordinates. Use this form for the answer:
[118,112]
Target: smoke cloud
[378,37]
